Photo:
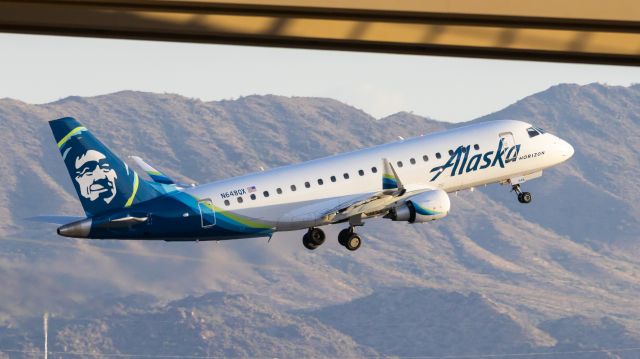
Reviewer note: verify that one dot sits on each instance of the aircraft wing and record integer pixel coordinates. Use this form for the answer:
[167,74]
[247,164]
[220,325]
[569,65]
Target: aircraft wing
[371,204]
[367,205]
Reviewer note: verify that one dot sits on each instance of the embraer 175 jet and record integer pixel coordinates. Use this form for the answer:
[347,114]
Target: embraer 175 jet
[408,180]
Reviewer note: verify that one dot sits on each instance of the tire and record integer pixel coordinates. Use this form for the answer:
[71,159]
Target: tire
[344,235]
[316,236]
[520,198]
[353,242]
[306,242]
[526,197]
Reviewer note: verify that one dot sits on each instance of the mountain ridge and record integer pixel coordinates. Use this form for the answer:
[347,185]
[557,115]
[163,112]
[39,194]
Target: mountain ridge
[570,253]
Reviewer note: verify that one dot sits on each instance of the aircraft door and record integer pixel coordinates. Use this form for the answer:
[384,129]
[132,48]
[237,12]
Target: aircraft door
[507,139]
[207,213]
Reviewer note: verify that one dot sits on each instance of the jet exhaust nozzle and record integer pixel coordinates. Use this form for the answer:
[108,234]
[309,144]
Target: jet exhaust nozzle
[78,229]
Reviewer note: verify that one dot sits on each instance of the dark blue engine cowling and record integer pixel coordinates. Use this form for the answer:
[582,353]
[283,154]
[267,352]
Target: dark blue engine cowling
[423,207]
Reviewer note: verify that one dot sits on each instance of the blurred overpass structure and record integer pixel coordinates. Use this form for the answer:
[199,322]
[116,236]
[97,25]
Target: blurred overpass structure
[586,31]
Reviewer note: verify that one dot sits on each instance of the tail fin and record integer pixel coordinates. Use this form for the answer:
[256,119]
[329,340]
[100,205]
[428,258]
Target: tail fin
[102,181]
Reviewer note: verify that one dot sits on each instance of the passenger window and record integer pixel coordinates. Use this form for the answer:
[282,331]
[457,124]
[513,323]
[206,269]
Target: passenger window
[253,197]
[438,155]
[361,172]
[346,176]
[226,202]
[399,163]
[279,190]
[333,178]
[239,199]
[266,193]
[476,147]
[320,181]
[307,184]
[425,158]
[374,170]
[293,188]
[412,161]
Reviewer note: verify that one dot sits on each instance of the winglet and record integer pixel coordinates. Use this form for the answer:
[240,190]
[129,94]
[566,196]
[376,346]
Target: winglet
[155,175]
[390,178]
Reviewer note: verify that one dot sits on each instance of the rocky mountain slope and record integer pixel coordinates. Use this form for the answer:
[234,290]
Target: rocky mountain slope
[493,277]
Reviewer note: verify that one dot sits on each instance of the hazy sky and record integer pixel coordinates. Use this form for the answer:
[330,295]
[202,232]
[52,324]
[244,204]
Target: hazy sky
[39,69]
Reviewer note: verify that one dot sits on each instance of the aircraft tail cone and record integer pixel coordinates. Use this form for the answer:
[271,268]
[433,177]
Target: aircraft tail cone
[78,229]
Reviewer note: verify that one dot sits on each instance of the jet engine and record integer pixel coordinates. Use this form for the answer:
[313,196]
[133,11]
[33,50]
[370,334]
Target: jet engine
[423,207]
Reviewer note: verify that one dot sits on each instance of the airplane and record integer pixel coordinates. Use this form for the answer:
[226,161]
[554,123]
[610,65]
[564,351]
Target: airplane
[408,180]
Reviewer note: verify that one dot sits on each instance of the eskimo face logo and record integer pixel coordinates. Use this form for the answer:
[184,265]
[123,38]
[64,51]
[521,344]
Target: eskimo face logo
[95,177]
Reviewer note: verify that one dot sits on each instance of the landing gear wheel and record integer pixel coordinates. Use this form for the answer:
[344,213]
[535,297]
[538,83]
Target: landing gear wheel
[306,242]
[344,235]
[525,197]
[313,238]
[316,236]
[353,242]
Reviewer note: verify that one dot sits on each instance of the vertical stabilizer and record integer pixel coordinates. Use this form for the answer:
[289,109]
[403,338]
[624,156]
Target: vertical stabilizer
[102,181]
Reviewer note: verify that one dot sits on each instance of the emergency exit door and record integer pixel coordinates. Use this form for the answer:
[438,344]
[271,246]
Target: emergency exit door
[207,213]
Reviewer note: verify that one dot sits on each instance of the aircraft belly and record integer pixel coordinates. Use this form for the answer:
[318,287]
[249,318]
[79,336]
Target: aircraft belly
[309,213]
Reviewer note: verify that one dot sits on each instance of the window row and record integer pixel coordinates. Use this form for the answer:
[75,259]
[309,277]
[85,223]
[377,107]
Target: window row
[306,185]
[345,175]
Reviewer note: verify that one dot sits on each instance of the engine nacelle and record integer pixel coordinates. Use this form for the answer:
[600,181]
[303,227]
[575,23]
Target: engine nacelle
[423,207]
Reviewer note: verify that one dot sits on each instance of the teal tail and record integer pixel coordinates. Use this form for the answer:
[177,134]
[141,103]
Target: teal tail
[102,180]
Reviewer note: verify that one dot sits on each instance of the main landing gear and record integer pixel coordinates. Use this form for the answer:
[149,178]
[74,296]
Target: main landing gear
[523,197]
[347,237]
[313,238]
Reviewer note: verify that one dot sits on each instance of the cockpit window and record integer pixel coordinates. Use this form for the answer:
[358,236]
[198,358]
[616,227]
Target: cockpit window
[532,131]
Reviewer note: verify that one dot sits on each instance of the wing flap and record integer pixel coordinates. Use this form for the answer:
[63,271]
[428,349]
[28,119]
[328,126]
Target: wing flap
[374,203]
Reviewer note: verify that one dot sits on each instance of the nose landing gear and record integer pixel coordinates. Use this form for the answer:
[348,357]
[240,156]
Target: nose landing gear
[523,197]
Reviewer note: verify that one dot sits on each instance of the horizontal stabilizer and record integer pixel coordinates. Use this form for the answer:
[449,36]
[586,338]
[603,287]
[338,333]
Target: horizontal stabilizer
[153,173]
[54,219]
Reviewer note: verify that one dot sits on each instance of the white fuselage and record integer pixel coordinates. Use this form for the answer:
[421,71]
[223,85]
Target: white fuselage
[414,161]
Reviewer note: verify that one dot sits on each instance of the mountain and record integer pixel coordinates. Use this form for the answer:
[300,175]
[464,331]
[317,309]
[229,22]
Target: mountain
[428,322]
[212,325]
[554,274]
[402,322]
[600,180]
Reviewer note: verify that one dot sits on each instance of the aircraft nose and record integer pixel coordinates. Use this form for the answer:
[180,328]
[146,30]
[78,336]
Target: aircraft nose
[566,149]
